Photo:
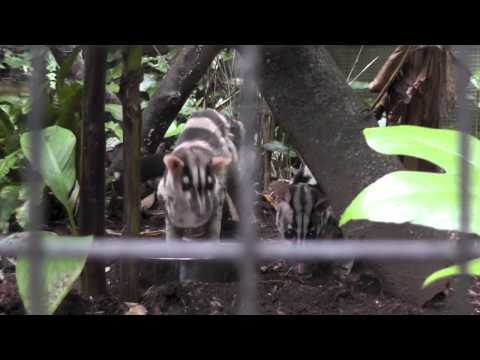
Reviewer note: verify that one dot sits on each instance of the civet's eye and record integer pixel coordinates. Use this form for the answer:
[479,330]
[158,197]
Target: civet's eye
[186,183]
[311,235]
[290,234]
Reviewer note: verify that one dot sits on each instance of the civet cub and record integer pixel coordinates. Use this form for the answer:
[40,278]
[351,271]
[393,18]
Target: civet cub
[194,185]
[303,212]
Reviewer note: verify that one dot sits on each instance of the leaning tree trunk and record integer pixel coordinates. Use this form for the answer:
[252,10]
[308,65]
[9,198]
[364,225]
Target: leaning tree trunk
[174,89]
[311,101]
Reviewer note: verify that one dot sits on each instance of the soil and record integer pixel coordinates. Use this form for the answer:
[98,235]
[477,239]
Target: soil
[279,290]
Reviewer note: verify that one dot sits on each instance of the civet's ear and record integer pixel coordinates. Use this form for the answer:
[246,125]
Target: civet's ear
[220,162]
[173,163]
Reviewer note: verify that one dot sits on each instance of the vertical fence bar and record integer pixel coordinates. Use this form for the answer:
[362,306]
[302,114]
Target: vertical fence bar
[248,107]
[35,123]
[465,123]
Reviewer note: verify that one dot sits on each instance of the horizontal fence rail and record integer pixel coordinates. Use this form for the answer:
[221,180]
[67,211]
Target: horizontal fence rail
[110,248]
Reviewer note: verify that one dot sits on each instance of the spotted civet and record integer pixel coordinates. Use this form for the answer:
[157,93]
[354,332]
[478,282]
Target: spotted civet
[303,211]
[194,184]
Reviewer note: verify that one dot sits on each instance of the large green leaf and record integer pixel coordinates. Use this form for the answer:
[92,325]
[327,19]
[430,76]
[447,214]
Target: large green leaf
[58,163]
[60,274]
[426,199]
[472,268]
[439,146]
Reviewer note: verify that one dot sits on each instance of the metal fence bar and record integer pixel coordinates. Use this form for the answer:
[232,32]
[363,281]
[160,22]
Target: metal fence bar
[248,111]
[112,248]
[35,122]
[465,125]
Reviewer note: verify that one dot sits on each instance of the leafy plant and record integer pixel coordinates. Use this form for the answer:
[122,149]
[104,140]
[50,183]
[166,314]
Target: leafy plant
[57,165]
[60,273]
[175,129]
[115,110]
[428,199]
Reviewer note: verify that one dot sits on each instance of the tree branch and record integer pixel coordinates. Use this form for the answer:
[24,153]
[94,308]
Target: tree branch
[174,89]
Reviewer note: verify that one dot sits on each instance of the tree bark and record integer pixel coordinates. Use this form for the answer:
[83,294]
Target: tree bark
[132,123]
[92,173]
[174,89]
[311,100]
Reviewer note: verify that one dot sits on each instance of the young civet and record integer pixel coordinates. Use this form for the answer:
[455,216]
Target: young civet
[303,211]
[194,185]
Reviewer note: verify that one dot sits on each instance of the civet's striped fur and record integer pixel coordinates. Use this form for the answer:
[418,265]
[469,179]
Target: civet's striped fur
[194,184]
[302,208]
[303,211]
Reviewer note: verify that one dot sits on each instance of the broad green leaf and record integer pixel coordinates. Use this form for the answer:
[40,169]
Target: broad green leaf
[115,110]
[58,163]
[60,274]
[439,146]
[175,129]
[419,198]
[472,268]
[9,200]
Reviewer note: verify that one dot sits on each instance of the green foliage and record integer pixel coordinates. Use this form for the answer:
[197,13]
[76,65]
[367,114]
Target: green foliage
[471,268]
[8,163]
[69,106]
[9,198]
[149,84]
[175,129]
[428,199]
[115,110]
[57,164]
[64,70]
[115,128]
[159,63]
[21,61]
[60,274]
[420,198]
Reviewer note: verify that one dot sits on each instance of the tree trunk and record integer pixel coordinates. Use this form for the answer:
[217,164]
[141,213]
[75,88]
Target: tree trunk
[312,102]
[92,174]
[174,89]
[132,124]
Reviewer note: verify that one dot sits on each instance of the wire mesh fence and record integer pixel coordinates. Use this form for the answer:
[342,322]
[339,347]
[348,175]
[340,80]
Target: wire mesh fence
[248,251]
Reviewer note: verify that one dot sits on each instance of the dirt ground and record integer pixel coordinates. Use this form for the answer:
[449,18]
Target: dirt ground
[279,292]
